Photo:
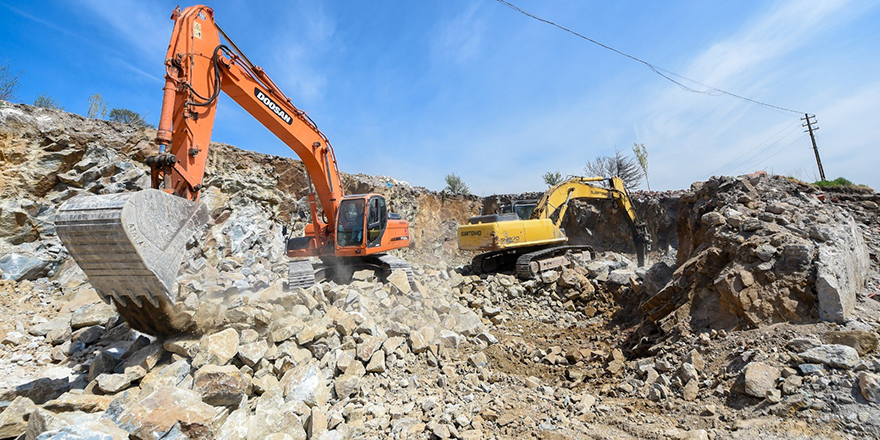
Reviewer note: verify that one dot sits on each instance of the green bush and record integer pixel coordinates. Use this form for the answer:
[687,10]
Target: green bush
[455,185]
[126,116]
[46,101]
[840,181]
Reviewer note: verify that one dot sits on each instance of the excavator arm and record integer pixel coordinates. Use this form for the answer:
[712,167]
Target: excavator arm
[554,204]
[198,66]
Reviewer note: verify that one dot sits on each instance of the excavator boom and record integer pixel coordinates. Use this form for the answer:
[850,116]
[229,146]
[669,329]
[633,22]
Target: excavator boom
[131,245]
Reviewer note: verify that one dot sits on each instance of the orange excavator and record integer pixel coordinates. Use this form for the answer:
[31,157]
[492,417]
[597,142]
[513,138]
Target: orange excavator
[131,245]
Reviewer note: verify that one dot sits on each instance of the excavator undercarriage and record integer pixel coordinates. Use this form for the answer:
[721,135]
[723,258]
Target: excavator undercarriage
[304,273]
[530,264]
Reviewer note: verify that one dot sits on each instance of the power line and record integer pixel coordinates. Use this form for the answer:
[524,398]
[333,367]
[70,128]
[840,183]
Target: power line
[712,91]
[780,151]
[755,148]
[764,149]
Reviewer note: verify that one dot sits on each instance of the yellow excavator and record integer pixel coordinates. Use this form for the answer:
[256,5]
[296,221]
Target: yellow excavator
[537,244]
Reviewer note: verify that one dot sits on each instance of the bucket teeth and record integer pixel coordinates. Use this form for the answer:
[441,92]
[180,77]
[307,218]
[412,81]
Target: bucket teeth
[130,247]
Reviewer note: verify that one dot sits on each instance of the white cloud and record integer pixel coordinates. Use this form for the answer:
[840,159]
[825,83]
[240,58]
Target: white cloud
[705,132]
[144,26]
[458,40]
[688,135]
[300,68]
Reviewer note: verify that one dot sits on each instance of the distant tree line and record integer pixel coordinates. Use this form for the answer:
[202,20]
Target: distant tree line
[10,84]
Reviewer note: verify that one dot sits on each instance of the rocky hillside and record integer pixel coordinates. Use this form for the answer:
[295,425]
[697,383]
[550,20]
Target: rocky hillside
[758,318]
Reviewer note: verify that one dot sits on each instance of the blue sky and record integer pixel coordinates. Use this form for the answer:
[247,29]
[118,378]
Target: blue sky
[417,90]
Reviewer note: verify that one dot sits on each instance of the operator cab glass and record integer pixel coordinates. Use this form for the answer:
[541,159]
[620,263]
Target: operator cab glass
[350,225]
[524,210]
[376,220]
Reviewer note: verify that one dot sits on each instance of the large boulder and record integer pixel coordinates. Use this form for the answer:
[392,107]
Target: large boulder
[155,415]
[19,267]
[13,419]
[221,385]
[758,379]
[832,355]
[305,383]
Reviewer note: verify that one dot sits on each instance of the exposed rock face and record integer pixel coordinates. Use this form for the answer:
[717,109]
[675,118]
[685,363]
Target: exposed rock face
[49,156]
[777,256]
[842,265]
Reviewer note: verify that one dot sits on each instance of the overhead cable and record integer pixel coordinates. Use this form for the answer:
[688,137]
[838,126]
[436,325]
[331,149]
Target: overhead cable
[713,91]
[722,167]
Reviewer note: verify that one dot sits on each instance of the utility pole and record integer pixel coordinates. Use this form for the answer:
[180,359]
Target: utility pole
[811,127]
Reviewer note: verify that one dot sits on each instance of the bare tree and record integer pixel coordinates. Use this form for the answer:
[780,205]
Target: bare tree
[642,156]
[455,185]
[9,84]
[97,106]
[618,165]
[552,177]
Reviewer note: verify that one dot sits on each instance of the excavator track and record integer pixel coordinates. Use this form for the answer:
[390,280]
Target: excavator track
[528,265]
[491,262]
[130,246]
[302,273]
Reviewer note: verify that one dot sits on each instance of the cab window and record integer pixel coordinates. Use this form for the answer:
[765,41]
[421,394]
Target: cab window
[350,226]
[377,220]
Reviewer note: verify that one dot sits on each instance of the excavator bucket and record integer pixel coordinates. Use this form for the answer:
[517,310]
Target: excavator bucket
[130,246]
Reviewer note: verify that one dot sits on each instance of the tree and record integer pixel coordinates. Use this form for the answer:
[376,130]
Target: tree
[642,156]
[455,185]
[552,177]
[8,82]
[46,101]
[97,107]
[618,165]
[127,116]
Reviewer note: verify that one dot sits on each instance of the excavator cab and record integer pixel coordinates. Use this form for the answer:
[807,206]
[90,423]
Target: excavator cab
[522,208]
[361,217]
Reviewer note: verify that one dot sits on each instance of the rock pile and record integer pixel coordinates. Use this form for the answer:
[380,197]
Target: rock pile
[758,250]
[294,362]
